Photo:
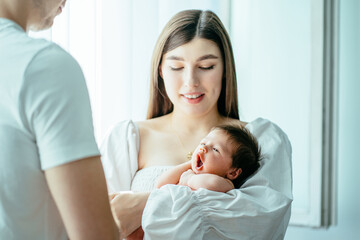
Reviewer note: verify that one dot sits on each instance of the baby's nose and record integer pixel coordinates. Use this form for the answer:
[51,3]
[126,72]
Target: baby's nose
[203,149]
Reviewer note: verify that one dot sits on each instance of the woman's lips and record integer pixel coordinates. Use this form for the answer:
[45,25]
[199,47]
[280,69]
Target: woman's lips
[193,98]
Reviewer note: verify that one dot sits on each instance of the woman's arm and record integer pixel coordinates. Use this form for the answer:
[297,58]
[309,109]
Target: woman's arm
[119,152]
[127,209]
[208,181]
[172,176]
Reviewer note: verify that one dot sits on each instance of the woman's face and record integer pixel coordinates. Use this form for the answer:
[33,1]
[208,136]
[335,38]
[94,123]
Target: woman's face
[192,76]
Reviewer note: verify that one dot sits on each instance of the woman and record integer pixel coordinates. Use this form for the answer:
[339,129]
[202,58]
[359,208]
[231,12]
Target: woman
[193,88]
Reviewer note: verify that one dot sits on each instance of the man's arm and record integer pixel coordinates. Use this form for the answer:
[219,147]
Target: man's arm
[173,175]
[205,180]
[80,193]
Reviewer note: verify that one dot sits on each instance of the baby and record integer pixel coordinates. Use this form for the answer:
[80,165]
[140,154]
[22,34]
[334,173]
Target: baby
[224,159]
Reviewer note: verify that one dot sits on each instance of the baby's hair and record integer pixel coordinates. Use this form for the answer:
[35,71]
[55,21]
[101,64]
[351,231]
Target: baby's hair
[246,154]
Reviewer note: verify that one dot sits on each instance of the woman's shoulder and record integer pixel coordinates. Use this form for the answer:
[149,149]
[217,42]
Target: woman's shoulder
[154,124]
[122,125]
[269,133]
[262,125]
[259,127]
[121,129]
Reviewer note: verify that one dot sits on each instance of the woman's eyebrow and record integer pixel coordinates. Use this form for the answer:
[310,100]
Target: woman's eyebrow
[175,58]
[205,57]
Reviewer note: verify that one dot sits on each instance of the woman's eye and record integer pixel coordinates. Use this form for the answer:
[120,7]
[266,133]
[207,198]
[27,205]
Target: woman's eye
[215,149]
[176,68]
[207,68]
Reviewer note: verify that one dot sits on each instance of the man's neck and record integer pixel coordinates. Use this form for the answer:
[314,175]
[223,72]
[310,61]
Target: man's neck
[17,11]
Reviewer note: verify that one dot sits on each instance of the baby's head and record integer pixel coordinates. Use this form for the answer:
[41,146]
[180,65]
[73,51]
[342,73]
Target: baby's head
[229,151]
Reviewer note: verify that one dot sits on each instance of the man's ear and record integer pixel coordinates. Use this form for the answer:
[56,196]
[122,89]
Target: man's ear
[234,173]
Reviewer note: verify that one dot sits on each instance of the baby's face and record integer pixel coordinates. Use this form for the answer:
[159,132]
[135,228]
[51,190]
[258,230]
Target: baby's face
[213,154]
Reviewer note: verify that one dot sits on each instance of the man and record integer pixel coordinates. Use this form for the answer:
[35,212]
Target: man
[52,181]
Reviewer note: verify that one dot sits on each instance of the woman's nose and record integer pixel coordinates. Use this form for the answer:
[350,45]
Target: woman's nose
[190,78]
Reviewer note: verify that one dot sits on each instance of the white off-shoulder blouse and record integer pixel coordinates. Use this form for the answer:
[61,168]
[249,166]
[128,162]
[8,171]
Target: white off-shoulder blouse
[145,179]
[260,209]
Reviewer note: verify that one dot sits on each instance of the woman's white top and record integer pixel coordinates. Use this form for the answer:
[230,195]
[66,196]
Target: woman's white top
[260,209]
[145,179]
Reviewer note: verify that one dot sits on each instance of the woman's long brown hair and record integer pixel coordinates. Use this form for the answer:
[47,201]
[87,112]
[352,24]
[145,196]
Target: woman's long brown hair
[181,29]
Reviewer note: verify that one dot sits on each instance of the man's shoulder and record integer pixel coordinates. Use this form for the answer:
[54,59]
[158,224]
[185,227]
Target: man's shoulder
[50,54]
[51,58]
[20,43]
[25,49]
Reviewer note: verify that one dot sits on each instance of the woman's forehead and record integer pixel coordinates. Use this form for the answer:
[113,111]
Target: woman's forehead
[194,50]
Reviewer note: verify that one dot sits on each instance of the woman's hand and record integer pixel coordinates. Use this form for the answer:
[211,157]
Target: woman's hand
[127,209]
[185,177]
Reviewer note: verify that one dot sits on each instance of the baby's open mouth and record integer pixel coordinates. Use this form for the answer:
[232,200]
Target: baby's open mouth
[199,162]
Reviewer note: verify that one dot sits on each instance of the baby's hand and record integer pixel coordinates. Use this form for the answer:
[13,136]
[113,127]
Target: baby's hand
[185,177]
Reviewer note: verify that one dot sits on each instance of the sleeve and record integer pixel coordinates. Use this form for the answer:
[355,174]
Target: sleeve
[56,108]
[119,156]
[260,209]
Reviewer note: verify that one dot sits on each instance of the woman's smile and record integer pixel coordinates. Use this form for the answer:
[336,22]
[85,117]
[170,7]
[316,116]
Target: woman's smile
[193,98]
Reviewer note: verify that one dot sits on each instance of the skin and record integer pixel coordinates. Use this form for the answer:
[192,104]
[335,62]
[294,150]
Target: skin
[32,14]
[193,69]
[215,154]
[46,13]
[183,72]
[80,193]
[78,188]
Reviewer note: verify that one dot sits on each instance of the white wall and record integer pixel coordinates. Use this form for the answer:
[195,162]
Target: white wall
[348,226]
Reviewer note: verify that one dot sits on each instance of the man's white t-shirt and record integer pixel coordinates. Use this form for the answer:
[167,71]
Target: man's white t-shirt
[45,121]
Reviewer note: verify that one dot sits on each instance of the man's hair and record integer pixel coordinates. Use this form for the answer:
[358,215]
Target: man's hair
[246,151]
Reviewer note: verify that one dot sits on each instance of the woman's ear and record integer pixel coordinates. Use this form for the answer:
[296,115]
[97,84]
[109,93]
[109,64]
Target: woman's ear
[160,72]
[234,173]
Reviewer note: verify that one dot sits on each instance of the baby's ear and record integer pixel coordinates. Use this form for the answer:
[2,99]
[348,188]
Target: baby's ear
[234,173]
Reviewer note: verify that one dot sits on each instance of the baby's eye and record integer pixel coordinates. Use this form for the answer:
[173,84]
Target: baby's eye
[202,144]
[207,68]
[215,149]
